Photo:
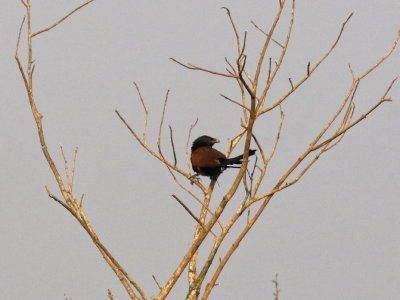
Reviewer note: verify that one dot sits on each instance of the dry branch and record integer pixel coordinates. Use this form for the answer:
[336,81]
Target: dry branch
[62,19]
[69,201]
[275,41]
[197,68]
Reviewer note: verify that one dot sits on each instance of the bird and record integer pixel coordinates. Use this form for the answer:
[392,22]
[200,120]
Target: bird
[207,161]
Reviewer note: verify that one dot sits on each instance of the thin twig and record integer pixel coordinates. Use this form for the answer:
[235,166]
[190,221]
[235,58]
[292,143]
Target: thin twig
[233,101]
[197,68]
[352,73]
[19,34]
[187,144]
[228,12]
[73,167]
[62,19]
[110,295]
[383,58]
[269,69]
[276,285]
[146,112]
[232,71]
[21,69]
[80,202]
[188,210]
[241,54]
[155,280]
[161,125]
[66,168]
[275,41]
[192,194]
[172,144]
[57,199]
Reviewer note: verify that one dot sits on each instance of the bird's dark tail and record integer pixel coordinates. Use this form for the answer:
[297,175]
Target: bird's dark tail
[235,160]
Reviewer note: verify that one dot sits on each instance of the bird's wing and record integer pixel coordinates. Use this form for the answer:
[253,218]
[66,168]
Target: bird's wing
[206,157]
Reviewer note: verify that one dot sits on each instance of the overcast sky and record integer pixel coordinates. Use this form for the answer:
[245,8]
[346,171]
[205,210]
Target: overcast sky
[334,235]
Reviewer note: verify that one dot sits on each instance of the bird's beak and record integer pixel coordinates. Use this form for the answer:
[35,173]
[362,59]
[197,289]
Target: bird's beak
[216,141]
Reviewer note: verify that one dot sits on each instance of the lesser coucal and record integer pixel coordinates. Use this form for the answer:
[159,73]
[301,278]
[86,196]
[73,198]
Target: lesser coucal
[208,161]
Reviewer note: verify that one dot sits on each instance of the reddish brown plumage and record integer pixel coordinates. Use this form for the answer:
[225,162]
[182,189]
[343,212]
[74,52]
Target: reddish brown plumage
[207,157]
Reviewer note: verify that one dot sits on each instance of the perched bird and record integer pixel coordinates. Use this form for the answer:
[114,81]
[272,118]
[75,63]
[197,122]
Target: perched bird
[208,161]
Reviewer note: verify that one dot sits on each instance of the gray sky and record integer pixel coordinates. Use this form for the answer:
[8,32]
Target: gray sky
[334,235]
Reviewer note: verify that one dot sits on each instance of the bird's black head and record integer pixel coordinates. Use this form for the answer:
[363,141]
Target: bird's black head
[204,140]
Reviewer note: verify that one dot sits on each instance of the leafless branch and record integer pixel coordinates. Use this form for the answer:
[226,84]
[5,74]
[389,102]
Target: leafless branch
[190,212]
[110,295]
[276,285]
[197,68]
[81,202]
[161,125]
[228,12]
[233,101]
[172,144]
[73,168]
[146,112]
[275,41]
[190,192]
[269,69]
[232,71]
[378,63]
[19,34]
[155,280]
[187,143]
[58,200]
[62,19]
[352,73]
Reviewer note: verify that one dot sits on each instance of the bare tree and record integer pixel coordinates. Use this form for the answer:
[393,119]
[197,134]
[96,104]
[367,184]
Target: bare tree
[254,86]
